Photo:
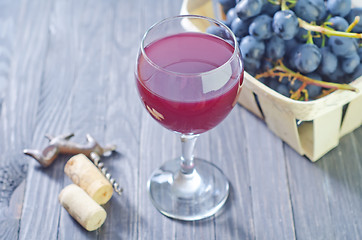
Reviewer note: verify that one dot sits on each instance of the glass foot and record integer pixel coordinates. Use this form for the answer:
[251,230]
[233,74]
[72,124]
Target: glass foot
[189,197]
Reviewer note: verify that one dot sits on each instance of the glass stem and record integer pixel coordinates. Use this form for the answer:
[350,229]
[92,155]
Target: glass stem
[187,156]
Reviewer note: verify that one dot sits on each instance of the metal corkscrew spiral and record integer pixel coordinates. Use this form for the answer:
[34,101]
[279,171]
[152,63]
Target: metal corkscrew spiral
[96,160]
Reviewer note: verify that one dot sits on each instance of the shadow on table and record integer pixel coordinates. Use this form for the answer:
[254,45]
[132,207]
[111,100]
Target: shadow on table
[225,223]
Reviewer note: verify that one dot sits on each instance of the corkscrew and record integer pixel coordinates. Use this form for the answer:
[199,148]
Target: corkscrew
[100,165]
[62,145]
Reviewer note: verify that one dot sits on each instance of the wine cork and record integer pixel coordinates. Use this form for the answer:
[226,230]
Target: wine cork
[82,207]
[87,176]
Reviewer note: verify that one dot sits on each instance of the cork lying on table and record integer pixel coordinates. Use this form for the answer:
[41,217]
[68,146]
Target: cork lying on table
[82,207]
[87,176]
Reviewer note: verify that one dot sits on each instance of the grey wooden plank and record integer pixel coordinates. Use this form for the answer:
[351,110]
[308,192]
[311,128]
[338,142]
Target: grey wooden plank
[156,147]
[271,205]
[343,186]
[12,168]
[25,72]
[229,152]
[326,195]
[41,207]
[312,217]
[21,68]
[83,33]
[12,174]
[123,118]
[355,184]
[9,13]
[73,54]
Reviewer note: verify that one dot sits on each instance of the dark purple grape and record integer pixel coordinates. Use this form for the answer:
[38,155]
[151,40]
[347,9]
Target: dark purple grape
[218,31]
[291,44]
[307,58]
[348,79]
[328,63]
[252,51]
[251,65]
[339,7]
[314,76]
[264,80]
[266,65]
[227,4]
[343,46]
[350,63]
[269,8]
[290,48]
[357,72]
[283,89]
[318,40]
[275,48]
[261,27]
[338,23]
[285,24]
[276,85]
[295,85]
[284,80]
[310,10]
[359,51]
[273,83]
[302,35]
[240,27]
[323,18]
[250,47]
[275,34]
[355,12]
[314,90]
[337,76]
[248,8]
[230,16]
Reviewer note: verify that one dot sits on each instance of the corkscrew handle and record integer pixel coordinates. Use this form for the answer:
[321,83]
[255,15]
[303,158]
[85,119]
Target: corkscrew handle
[100,165]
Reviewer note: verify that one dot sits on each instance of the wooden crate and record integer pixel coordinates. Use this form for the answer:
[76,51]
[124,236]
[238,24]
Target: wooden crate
[311,128]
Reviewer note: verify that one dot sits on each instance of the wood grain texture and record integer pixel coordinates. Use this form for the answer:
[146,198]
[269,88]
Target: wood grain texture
[67,66]
[236,220]
[22,55]
[326,196]
[271,204]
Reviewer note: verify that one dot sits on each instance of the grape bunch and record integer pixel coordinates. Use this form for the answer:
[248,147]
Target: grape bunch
[303,49]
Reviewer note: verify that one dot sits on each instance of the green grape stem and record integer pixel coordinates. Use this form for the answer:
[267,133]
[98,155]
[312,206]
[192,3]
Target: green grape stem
[328,31]
[310,38]
[353,24]
[287,4]
[297,95]
[275,2]
[284,5]
[280,70]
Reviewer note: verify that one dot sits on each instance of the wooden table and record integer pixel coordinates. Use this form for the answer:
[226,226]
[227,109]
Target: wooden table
[67,66]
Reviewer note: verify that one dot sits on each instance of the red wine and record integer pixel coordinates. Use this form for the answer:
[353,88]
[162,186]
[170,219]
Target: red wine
[189,82]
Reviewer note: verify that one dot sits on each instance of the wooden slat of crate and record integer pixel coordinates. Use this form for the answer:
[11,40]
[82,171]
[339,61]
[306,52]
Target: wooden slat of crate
[326,132]
[281,122]
[353,117]
[247,100]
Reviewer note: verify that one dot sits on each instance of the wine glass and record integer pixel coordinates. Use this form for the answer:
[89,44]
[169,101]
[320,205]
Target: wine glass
[189,75]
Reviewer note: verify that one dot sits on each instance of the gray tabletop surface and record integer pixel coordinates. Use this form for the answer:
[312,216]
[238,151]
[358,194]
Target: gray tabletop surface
[67,66]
